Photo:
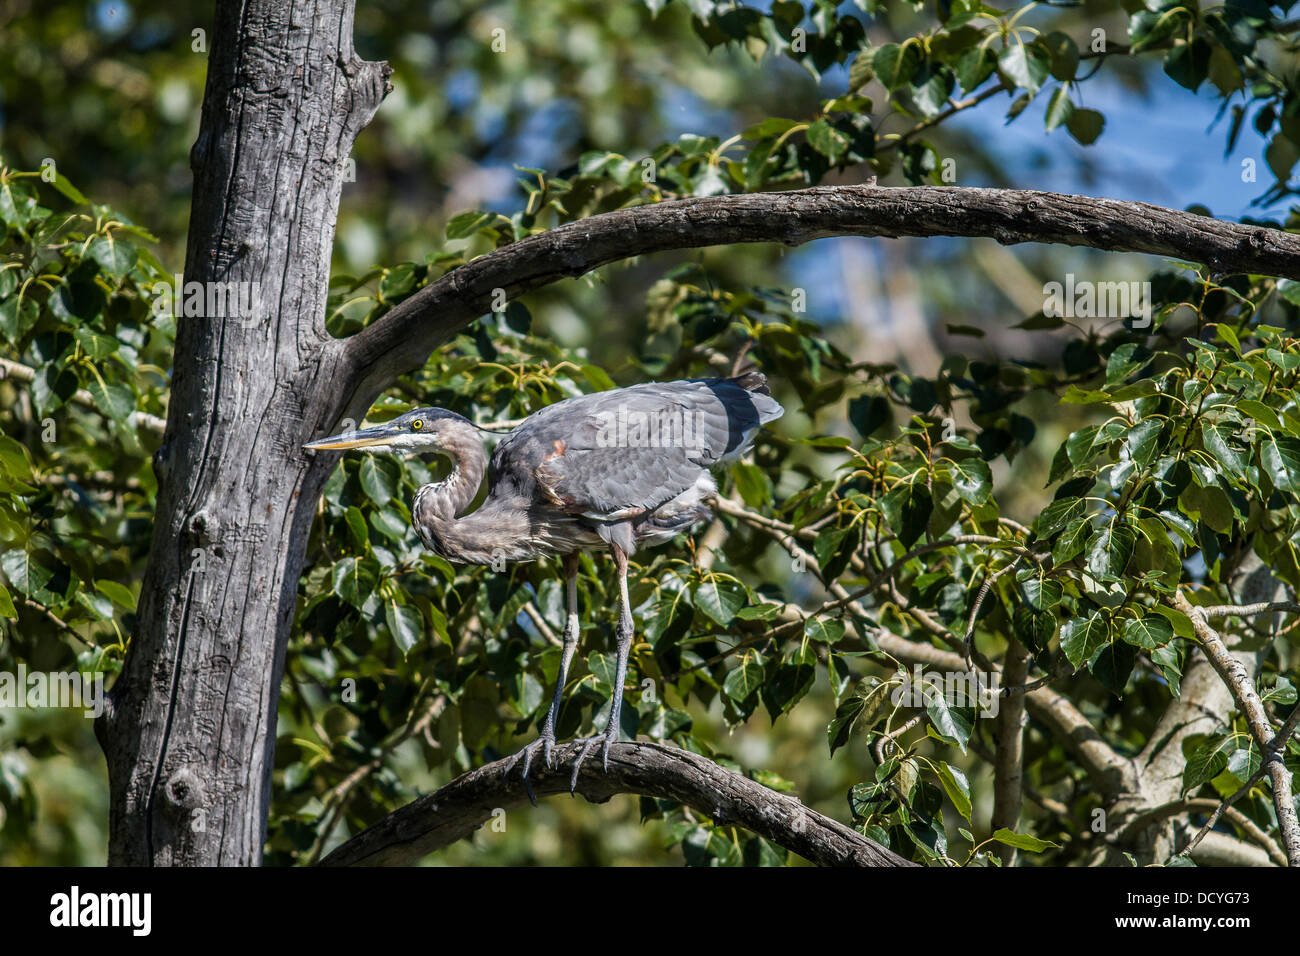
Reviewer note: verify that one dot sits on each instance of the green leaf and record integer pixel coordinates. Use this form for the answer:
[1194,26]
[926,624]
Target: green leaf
[1261,413]
[932,95]
[1064,53]
[353,580]
[114,256]
[895,64]
[1146,28]
[1281,460]
[14,459]
[598,378]
[1022,841]
[376,482]
[1112,665]
[1179,621]
[975,66]
[1211,504]
[789,681]
[1040,592]
[744,681]
[1215,438]
[1208,759]
[116,401]
[1148,632]
[1071,542]
[116,593]
[868,412]
[1289,289]
[769,128]
[915,515]
[1057,515]
[1025,65]
[827,140]
[841,726]
[27,576]
[1109,551]
[1059,108]
[1081,637]
[466,224]
[1085,125]
[752,483]
[834,549]
[65,187]
[1281,155]
[17,316]
[1140,445]
[949,723]
[7,606]
[1223,71]
[972,479]
[98,347]
[356,523]
[825,630]
[1188,63]
[956,786]
[405,624]
[720,598]
[759,612]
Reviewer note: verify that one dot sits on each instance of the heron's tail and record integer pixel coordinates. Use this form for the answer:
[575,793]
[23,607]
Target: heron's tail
[752,381]
[767,408]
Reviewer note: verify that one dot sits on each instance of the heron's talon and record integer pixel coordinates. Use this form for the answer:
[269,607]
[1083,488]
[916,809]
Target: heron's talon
[547,743]
[606,739]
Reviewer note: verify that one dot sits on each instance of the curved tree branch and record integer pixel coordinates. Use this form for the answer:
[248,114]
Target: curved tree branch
[462,806]
[1250,706]
[403,339]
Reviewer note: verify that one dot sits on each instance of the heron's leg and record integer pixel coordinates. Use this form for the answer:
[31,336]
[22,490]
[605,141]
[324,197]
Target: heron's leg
[547,739]
[624,635]
[566,655]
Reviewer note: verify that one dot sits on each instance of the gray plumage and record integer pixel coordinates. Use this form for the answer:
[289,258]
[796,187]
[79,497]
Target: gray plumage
[632,464]
[618,469]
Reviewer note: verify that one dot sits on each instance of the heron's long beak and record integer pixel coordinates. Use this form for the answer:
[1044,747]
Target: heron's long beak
[361,438]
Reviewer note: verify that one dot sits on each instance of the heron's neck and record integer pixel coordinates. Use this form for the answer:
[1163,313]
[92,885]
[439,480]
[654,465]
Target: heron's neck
[486,536]
[444,501]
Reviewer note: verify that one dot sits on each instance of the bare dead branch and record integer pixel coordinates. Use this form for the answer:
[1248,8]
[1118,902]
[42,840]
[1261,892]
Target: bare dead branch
[1250,610]
[1225,806]
[1217,809]
[1234,675]
[403,339]
[25,374]
[725,797]
[1008,770]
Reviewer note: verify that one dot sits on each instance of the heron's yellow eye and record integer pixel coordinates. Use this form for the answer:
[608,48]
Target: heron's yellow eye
[417,425]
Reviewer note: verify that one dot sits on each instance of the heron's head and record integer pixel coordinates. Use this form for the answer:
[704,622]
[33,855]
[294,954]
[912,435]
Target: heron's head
[419,430]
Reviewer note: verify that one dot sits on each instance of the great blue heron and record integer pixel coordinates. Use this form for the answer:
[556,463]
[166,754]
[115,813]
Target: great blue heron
[618,469]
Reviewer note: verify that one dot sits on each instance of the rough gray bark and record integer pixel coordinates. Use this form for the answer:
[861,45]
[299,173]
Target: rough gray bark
[1009,735]
[1238,674]
[1204,705]
[192,721]
[464,805]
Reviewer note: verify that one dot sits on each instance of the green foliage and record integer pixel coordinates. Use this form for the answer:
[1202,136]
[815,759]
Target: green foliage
[895,485]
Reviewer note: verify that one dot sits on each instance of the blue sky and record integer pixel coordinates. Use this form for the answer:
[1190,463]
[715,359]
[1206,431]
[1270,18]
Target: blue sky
[1159,150]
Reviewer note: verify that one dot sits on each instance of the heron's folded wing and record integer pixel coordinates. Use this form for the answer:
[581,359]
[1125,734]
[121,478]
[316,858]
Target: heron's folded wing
[614,455]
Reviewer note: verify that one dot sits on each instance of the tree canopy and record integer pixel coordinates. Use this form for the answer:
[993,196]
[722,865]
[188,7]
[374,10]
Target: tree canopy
[1096,514]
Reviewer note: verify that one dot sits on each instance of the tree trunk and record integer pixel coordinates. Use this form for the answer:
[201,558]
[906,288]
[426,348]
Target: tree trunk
[190,731]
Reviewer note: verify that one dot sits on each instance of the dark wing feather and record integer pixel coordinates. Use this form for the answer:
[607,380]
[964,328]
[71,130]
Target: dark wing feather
[588,455]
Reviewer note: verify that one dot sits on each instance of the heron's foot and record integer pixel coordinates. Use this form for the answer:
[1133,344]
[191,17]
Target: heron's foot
[610,736]
[547,743]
